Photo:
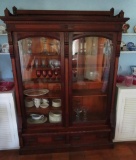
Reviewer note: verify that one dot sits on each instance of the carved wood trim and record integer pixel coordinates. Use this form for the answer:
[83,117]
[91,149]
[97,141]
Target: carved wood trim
[66,44]
[11,48]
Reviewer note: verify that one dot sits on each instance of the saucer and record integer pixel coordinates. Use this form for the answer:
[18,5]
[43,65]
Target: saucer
[40,121]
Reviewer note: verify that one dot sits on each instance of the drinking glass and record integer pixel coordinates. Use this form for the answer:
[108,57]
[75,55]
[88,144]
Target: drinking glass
[44,73]
[38,73]
[50,73]
[36,63]
[56,73]
[84,113]
[74,73]
[78,111]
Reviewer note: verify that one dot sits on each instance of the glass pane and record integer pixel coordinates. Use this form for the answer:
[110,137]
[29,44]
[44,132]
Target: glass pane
[90,72]
[40,61]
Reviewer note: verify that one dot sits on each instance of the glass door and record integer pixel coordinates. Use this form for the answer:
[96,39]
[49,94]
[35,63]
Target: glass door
[41,61]
[90,69]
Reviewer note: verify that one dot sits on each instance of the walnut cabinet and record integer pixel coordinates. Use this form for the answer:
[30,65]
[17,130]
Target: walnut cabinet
[64,65]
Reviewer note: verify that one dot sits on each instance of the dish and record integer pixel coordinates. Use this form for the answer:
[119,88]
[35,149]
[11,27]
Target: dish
[130,44]
[2,29]
[29,103]
[44,105]
[134,29]
[54,63]
[37,116]
[56,102]
[32,121]
[35,92]
[125,27]
[55,116]
[5,47]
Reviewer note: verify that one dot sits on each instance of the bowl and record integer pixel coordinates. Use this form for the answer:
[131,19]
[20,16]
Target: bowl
[56,102]
[133,48]
[29,103]
[36,116]
[44,105]
[55,116]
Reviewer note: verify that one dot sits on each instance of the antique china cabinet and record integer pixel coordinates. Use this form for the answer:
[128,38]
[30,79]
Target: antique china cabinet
[64,65]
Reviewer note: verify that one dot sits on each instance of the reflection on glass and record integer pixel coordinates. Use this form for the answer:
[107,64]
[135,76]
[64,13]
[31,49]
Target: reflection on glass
[29,44]
[43,41]
[91,59]
[85,112]
[93,56]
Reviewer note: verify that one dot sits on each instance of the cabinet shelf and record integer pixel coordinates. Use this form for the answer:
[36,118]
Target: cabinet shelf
[128,52]
[91,92]
[128,34]
[3,34]
[51,94]
[2,53]
[40,110]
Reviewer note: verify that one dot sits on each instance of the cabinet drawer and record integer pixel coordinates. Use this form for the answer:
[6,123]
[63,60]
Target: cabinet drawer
[88,138]
[43,140]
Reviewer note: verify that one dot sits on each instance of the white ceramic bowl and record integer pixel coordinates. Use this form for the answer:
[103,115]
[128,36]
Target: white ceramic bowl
[55,116]
[29,103]
[44,105]
[56,102]
[36,116]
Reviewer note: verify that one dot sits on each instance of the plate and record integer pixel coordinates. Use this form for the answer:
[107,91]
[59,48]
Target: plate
[35,92]
[32,121]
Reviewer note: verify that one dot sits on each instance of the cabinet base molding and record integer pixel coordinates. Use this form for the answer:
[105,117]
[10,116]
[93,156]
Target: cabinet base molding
[64,148]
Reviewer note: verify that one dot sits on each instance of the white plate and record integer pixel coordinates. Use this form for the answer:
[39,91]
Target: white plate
[35,92]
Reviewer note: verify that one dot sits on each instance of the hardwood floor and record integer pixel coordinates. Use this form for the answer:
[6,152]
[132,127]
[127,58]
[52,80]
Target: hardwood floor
[121,151]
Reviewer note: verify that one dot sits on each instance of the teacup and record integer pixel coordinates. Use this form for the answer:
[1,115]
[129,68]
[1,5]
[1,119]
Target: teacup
[44,101]
[37,102]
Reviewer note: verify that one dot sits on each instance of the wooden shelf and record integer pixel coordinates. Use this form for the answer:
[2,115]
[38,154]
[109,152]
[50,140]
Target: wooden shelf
[91,92]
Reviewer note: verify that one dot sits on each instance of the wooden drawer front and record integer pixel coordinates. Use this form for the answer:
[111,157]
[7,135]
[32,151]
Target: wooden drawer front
[43,140]
[89,138]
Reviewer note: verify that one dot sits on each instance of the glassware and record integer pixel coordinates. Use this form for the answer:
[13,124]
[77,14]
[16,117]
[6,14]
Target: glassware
[56,73]
[44,73]
[38,73]
[36,63]
[78,111]
[43,62]
[50,73]
[85,110]
[74,74]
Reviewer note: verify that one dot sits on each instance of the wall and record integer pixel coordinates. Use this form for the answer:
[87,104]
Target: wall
[127,6]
